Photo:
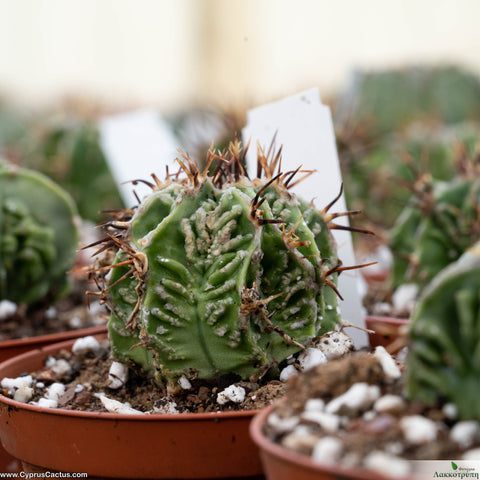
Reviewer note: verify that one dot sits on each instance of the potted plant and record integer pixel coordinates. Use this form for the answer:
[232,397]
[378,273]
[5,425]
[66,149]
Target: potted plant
[385,413]
[39,233]
[213,279]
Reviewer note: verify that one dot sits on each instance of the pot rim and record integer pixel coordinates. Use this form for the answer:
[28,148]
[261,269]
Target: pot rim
[52,337]
[304,461]
[386,319]
[106,416]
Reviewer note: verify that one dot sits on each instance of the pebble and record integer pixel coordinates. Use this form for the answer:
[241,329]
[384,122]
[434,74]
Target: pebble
[7,309]
[184,383]
[14,383]
[360,396]
[23,394]
[282,424]
[327,450]
[47,403]
[404,297]
[61,367]
[328,421]
[465,433]
[450,410]
[335,344]
[87,344]
[390,368]
[310,358]
[114,406]
[55,391]
[299,441]
[314,405]
[288,372]
[117,375]
[389,404]
[387,464]
[473,454]
[418,430]
[231,394]
[168,407]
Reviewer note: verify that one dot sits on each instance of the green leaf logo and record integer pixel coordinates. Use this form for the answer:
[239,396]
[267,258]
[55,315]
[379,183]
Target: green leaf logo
[454,465]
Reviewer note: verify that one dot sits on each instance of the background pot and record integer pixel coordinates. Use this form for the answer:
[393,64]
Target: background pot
[389,332]
[203,445]
[11,348]
[282,464]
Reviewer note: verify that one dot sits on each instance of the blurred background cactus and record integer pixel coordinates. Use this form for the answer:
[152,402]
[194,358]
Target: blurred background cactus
[38,236]
[441,221]
[444,351]
[216,273]
[388,120]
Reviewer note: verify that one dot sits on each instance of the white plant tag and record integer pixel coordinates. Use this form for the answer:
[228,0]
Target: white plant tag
[137,144]
[303,126]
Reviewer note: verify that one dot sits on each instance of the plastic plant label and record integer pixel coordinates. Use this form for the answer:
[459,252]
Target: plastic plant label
[303,126]
[137,144]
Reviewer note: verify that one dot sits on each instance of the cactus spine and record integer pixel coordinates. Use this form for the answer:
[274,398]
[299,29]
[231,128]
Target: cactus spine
[217,273]
[38,235]
[444,353]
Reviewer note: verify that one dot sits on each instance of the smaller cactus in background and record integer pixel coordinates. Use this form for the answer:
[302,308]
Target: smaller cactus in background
[444,352]
[68,151]
[439,224]
[38,235]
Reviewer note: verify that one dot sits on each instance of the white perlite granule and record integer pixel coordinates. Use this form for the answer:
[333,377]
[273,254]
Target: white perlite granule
[184,382]
[387,464]
[86,344]
[117,375]
[418,430]
[465,433]
[23,394]
[115,406]
[232,394]
[14,383]
[7,309]
[360,396]
[327,450]
[310,358]
[288,372]
[390,368]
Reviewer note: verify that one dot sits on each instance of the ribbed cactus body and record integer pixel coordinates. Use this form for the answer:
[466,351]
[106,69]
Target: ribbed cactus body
[216,287]
[435,230]
[444,353]
[38,235]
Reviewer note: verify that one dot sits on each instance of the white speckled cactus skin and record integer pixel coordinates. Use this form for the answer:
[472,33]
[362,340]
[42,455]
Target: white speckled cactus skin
[217,273]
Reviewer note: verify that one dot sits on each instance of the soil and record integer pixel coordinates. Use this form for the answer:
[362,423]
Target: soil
[142,393]
[362,430]
[70,313]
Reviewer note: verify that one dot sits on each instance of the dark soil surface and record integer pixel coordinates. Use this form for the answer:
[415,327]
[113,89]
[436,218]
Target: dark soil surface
[141,393]
[69,313]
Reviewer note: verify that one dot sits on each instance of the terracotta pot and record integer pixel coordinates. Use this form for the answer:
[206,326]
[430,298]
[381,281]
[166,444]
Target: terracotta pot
[203,445]
[389,332]
[282,464]
[11,348]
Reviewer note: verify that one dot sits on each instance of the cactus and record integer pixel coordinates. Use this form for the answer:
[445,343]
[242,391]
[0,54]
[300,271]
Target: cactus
[444,353]
[68,151]
[218,274]
[38,235]
[441,222]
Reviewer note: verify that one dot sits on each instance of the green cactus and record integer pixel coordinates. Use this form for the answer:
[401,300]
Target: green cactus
[439,224]
[69,152]
[444,352]
[220,274]
[38,235]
